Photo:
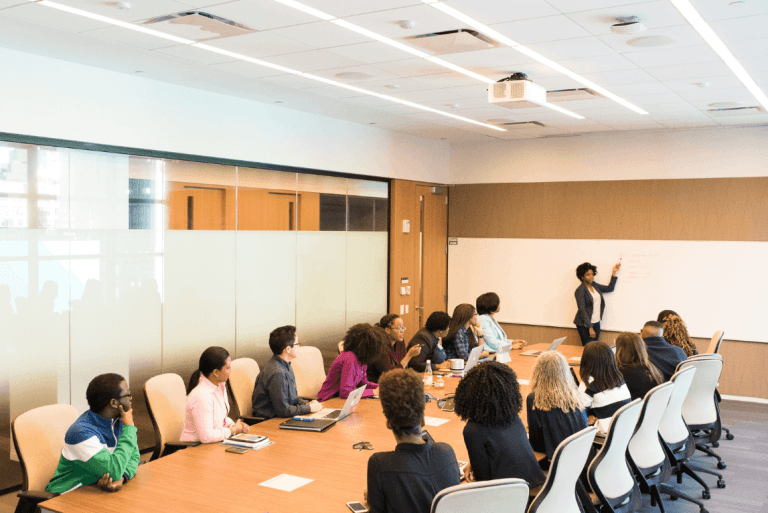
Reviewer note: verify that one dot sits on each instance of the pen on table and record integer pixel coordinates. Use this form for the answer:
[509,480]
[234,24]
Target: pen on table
[304,419]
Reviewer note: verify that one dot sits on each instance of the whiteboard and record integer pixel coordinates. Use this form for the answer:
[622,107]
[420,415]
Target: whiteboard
[712,285]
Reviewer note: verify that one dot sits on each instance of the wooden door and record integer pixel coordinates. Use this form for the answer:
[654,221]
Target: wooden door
[434,259]
[281,211]
[196,209]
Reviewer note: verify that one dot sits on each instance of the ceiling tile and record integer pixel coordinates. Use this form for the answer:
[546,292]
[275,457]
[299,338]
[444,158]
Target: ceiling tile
[53,18]
[473,104]
[295,81]
[247,69]
[655,14]
[9,3]
[686,35]
[331,92]
[743,120]
[261,14]
[627,76]
[672,56]
[428,20]
[193,54]
[721,82]
[572,48]
[714,95]
[371,53]
[689,70]
[312,61]
[370,101]
[584,106]
[650,99]
[538,30]
[140,9]
[499,12]
[720,10]
[534,70]
[613,62]
[444,80]
[490,58]
[377,75]
[748,48]
[755,64]
[403,85]
[411,67]
[427,96]
[129,37]
[660,108]
[636,123]
[203,3]
[322,34]
[260,44]
[586,5]
[342,8]
[557,83]
[704,105]
[735,29]
[640,89]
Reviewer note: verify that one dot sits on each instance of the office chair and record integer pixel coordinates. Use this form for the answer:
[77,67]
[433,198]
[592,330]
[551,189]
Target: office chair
[309,370]
[559,493]
[609,473]
[508,495]
[714,348]
[38,437]
[242,380]
[701,411]
[166,398]
[646,454]
[678,438]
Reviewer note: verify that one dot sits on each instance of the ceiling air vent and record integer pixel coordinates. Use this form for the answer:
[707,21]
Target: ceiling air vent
[452,41]
[567,95]
[738,111]
[198,25]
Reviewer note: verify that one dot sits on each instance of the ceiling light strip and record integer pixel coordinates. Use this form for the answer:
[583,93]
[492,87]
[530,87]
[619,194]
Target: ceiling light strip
[373,35]
[112,21]
[307,9]
[242,57]
[530,53]
[459,69]
[705,31]
[562,110]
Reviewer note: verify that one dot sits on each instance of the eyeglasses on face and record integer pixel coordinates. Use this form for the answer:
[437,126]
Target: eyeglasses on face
[363,445]
[401,328]
[126,394]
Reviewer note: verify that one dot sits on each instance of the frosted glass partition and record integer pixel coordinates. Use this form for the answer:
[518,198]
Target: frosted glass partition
[135,265]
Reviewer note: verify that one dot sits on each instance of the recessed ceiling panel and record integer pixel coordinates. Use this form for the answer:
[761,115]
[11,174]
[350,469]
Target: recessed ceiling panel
[261,14]
[428,20]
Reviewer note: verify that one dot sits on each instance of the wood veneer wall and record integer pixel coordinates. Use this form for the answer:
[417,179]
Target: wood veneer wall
[709,209]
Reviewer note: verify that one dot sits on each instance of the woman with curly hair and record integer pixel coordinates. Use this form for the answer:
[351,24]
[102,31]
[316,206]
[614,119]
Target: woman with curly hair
[488,399]
[602,387]
[676,333]
[555,408]
[589,301]
[363,345]
[396,356]
[639,373]
[408,478]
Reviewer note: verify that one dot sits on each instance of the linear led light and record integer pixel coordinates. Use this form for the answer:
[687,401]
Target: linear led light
[705,31]
[246,58]
[307,9]
[563,111]
[112,21]
[378,37]
[450,11]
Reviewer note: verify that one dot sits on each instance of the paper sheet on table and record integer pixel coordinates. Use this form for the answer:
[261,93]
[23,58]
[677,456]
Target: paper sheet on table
[434,421]
[286,482]
[574,359]
[523,381]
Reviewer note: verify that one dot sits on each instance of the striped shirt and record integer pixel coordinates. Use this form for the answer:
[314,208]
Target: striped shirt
[604,404]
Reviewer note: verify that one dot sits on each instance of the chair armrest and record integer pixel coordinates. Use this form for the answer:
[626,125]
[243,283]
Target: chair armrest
[252,420]
[36,496]
[172,447]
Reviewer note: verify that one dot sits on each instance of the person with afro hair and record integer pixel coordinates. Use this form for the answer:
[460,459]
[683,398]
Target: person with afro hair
[408,478]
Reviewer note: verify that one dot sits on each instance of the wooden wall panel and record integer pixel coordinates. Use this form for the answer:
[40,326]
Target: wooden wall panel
[404,250]
[720,209]
[743,373]
[435,275]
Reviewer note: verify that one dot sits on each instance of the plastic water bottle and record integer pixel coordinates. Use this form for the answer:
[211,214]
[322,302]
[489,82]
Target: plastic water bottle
[428,374]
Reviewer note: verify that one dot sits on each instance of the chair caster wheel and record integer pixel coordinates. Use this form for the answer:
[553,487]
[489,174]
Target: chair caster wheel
[721,465]
[729,436]
[720,483]
[715,444]
[673,498]
[703,511]
[706,495]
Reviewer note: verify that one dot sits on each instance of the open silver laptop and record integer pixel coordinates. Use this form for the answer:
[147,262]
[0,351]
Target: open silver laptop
[474,357]
[347,410]
[537,352]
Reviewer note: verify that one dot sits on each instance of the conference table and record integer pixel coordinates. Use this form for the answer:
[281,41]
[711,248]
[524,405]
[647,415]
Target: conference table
[206,478]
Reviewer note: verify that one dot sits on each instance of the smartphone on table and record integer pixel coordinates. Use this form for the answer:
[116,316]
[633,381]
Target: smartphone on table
[357,507]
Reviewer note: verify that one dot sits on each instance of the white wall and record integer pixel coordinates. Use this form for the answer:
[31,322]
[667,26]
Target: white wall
[52,98]
[710,153]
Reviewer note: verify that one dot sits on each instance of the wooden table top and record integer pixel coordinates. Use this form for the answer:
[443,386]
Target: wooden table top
[206,478]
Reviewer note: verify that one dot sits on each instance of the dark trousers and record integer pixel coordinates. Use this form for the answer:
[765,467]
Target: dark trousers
[584,333]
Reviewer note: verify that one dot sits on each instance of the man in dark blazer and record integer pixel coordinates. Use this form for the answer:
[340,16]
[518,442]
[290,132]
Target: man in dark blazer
[661,353]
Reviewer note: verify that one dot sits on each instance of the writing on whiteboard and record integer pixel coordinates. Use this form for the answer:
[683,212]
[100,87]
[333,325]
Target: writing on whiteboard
[637,266]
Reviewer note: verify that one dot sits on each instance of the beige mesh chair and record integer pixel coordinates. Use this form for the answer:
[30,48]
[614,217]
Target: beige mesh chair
[341,347]
[714,344]
[38,436]
[508,495]
[242,380]
[166,398]
[309,370]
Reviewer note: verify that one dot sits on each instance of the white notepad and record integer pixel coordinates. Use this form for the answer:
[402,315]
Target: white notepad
[286,482]
[434,421]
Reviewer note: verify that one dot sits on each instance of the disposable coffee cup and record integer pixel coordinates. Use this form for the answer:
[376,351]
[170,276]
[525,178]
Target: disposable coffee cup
[457,364]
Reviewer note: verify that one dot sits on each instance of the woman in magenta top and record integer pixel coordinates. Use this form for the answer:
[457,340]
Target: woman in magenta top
[363,345]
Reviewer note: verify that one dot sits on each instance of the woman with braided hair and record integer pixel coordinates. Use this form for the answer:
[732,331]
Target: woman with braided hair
[676,333]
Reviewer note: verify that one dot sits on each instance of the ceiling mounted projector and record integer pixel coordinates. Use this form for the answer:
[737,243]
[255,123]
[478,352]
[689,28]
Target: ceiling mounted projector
[516,92]
[628,25]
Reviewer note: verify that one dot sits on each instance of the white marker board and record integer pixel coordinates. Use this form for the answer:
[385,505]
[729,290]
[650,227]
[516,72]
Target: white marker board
[712,285]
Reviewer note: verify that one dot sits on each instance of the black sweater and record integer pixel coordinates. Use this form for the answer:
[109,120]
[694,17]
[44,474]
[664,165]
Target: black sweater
[639,381]
[546,429]
[497,453]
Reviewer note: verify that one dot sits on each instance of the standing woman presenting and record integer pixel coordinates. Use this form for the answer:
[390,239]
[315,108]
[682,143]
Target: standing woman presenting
[589,301]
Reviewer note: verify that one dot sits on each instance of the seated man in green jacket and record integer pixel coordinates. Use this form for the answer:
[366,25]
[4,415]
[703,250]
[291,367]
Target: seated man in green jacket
[100,447]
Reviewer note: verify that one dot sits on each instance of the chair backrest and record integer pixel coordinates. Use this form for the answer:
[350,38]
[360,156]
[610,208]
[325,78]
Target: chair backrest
[714,344]
[508,495]
[242,380]
[609,473]
[645,447]
[341,347]
[672,427]
[309,370]
[558,495]
[699,407]
[166,398]
[38,436]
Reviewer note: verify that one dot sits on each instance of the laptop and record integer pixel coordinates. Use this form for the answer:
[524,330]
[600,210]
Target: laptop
[346,411]
[502,355]
[537,352]
[474,357]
